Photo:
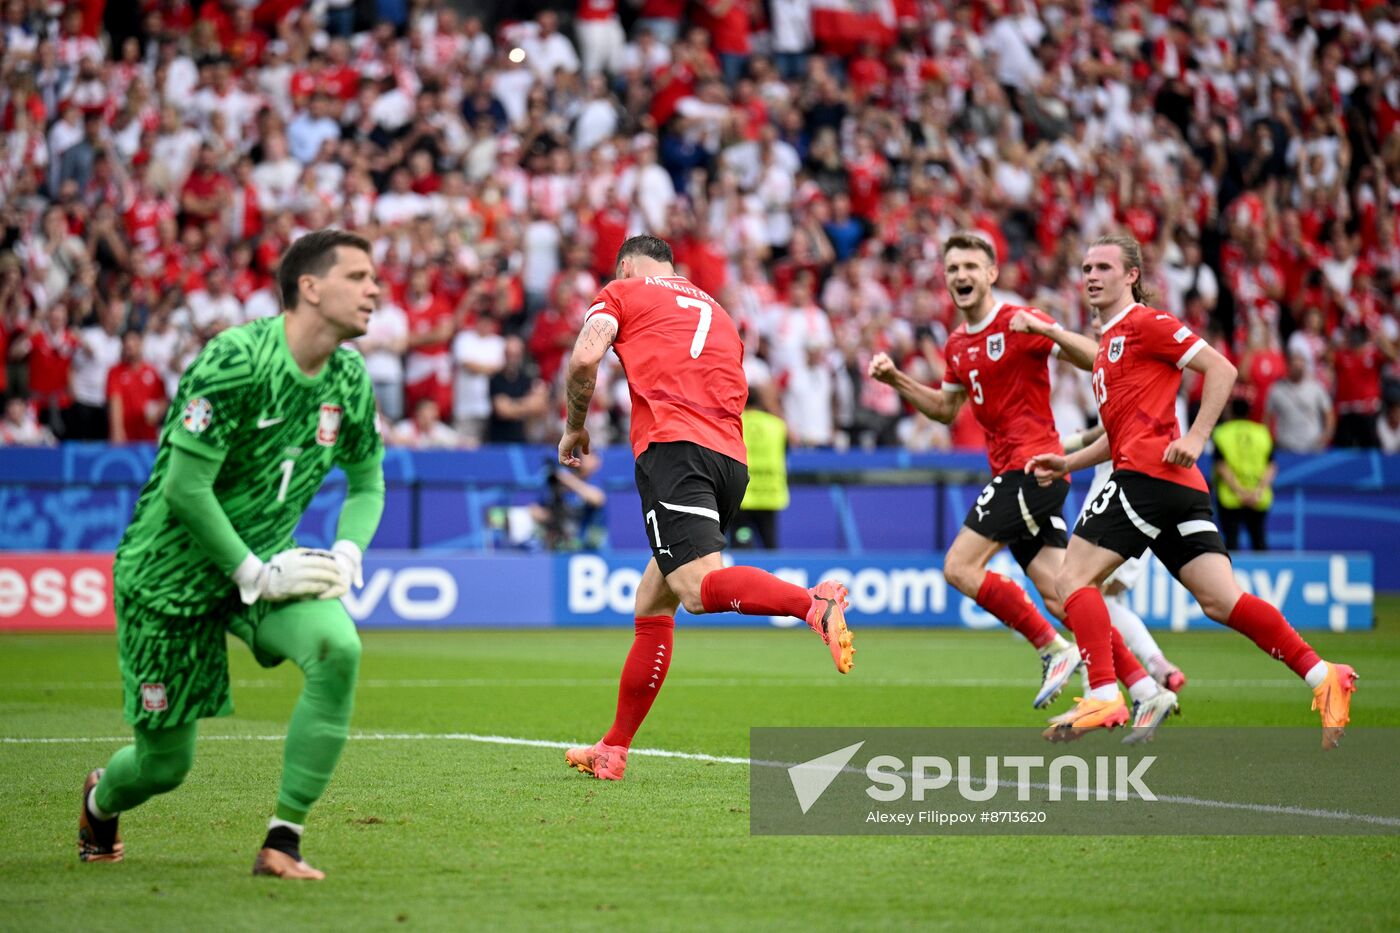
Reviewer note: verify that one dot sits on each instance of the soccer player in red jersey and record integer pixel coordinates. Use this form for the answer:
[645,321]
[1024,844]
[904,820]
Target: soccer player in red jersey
[1157,498]
[999,359]
[685,370]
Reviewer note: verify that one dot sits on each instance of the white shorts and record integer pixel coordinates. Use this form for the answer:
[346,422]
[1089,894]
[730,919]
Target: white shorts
[1130,572]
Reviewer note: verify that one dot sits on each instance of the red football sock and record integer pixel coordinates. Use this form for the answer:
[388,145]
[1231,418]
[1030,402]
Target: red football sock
[752,592]
[1009,603]
[642,676]
[1086,614]
[1125,663]
[1268,629]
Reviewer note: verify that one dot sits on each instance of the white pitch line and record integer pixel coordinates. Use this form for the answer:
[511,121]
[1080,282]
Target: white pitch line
[1274,809]
[676,682]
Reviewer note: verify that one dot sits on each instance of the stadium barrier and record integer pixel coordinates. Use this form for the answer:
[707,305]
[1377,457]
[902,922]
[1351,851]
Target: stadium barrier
[63,591]
[78,497]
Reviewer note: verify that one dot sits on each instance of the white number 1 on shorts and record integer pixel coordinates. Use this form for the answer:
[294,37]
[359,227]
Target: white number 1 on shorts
[702,330]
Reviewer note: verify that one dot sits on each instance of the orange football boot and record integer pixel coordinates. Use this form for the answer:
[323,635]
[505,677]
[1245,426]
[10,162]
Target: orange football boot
[1085,716]
[827,617]
[604,762]
[1332,698]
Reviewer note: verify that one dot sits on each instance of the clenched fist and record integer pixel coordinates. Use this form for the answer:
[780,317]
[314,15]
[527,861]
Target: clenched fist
[882,368]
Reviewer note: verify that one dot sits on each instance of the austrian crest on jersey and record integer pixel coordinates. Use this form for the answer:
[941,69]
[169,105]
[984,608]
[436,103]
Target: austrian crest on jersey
[1115,349]
[996,346]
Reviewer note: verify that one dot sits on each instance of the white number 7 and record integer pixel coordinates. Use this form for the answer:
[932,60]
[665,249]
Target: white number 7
[702,330]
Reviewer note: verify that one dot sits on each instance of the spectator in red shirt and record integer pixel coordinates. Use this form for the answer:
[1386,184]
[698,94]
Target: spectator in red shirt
[867,173]
[207,192]
[136,399]
[1358,363]
[246,42]
[1262,365]
[555,328]
[430,327]
[49,345]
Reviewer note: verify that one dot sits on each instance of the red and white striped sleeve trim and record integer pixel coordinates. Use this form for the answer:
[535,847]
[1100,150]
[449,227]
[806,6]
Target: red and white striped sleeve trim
[1190,353]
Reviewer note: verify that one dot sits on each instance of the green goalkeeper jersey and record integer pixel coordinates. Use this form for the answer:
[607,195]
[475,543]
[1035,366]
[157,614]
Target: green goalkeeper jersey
[277,432]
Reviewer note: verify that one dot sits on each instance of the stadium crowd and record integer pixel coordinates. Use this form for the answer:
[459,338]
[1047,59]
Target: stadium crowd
[805,158]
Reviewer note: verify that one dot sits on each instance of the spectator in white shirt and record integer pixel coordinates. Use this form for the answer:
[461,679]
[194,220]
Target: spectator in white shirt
[275,177]
[213,308]
[175,148]
[261,303]
[400,203]
[383,345]
[20,428]
[1388,428]
[809,398]
[597,118]
[647,186]
[425,430]
[540,245]
[799,326]
[479,352]
[548,51]
[99,349]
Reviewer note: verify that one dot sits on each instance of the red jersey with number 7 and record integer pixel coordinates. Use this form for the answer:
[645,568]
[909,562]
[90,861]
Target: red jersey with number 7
[1006,377]
[684,363]
[1137,375]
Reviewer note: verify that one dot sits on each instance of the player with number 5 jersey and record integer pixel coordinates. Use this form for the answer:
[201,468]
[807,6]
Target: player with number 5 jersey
[684,362]
[998,361]
[1157,498]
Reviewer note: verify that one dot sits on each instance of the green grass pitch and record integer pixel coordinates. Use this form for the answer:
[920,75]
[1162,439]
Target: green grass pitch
[423,831]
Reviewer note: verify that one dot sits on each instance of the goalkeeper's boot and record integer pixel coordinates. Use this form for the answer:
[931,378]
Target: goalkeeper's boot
[98,840]
[1087,715]
[827,617]
[280,857]
[1332,699]
[1056,670]
[604,762]
[1149,714]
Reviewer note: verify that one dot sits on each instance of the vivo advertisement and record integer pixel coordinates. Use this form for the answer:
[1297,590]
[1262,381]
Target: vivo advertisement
[68,591]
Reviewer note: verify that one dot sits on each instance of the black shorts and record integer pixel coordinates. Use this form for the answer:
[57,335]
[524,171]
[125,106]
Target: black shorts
[1022,514]
[1137,511]
[690,495]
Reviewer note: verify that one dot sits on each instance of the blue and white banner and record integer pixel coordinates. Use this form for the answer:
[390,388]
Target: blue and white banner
[406,589]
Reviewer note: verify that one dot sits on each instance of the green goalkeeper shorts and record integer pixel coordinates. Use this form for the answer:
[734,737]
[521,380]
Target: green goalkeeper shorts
[175,668]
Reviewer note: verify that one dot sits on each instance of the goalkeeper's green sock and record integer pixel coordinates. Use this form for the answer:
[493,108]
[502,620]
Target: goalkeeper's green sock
[320,638]
[155,764]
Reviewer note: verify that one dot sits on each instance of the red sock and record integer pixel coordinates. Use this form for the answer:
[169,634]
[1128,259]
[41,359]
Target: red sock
[752,592]
[1268,629]
[1086,614]
[1009,603]
[642,676]
[1125,663]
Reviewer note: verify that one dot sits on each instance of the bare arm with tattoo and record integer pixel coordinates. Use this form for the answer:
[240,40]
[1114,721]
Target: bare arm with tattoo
[582,376]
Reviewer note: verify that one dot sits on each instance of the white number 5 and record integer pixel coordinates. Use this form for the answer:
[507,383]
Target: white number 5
[976,386]
[702,330]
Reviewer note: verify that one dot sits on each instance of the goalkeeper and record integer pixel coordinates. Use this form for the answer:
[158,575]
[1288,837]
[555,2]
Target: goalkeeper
[260,418]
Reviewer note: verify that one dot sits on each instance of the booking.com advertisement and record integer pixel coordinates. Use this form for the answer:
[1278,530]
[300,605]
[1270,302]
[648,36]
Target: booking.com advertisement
[404,589]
